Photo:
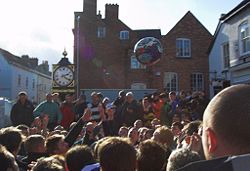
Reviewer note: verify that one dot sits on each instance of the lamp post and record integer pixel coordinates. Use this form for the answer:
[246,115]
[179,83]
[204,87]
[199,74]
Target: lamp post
[77,55]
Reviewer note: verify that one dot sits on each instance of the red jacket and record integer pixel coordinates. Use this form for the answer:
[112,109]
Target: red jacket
[68,114]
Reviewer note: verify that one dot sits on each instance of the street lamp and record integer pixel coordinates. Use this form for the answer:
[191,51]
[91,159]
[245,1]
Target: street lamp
[77,55]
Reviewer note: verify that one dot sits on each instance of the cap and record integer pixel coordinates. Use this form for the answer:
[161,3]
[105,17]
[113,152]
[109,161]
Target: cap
[130,94]
[22,93]
[163,95]
[122,93]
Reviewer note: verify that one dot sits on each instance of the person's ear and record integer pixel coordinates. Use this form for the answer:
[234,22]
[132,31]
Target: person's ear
[212,140]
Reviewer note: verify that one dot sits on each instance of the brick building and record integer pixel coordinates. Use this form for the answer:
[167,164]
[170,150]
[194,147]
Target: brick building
[103,53]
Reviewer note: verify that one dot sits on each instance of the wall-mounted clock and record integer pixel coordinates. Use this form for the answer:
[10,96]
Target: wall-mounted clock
[63,76]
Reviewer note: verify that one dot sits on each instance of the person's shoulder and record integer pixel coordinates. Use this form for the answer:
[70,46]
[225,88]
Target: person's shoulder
[204,165]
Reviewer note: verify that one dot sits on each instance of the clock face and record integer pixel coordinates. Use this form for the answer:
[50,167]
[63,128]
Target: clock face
[63,76]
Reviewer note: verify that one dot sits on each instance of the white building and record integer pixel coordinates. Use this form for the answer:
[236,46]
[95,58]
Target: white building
[23,74]
[229,56]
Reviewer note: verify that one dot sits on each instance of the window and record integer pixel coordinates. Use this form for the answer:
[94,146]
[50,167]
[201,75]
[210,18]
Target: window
[33,84]
[101,32]
[19,80]
[183,47]
[197,82]
[170,81]
[244,38]
[135,64]
[225,54]
[27,82]
[124,35]
[138,86]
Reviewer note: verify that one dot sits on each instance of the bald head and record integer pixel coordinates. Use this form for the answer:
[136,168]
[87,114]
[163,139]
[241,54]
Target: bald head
[228,116]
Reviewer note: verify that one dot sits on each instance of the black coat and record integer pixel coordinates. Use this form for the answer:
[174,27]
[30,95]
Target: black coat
[22,114]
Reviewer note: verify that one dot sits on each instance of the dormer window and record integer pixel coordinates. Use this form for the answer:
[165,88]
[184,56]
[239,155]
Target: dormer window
[124,35]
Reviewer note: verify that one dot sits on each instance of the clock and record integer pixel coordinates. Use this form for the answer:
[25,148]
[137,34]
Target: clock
[63,76]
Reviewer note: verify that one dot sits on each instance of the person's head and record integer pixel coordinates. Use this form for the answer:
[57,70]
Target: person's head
[176,128]
[226,123]
[145,102]
[141,132]
[90,127]
[172,96]
[24,130]
[7,160]
[35,144]
[148,134]
[133,135]
[22,96]
[56,145]
[49,97]
[78,157]
[69,98]
[105,101]
[163,97]
[11,138]
[164,136]
[151,156]
[176,118]
[138,124]
[155,122]
[180,157]
[117,154]
[122,94]
[94,97]
[129,97]
[55,97]
[52,163]
[123,132]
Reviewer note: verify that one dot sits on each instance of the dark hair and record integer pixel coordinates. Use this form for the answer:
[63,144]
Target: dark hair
[178,124]
[117,154]
[6,160]
[32,142]
[192,127]
[78,157]
[49,164]
[151,156]
[52,143]
[11,138]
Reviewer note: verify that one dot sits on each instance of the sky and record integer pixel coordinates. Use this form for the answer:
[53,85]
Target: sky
[43,28]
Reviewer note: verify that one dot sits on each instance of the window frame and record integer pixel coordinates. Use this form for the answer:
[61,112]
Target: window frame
[141,85]
[137,65]
[244,25]
[170,81]
[183,49]
[101,32]
[196,82]
[225,58]
[124,35]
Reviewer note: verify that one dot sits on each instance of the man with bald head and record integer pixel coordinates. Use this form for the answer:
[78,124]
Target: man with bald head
[226,125]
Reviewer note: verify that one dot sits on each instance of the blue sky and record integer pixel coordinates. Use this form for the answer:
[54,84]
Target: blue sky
[43,28]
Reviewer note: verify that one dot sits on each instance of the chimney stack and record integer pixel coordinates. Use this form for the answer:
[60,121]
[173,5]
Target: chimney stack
[111,11]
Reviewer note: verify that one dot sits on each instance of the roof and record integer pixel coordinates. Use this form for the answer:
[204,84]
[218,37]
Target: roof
[235,10]
[226,17]
[189,13]
[12,58]
[156,33]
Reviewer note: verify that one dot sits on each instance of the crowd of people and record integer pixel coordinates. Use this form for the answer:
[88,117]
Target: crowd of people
[163,131]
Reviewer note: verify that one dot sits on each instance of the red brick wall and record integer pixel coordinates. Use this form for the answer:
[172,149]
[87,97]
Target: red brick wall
[108,65]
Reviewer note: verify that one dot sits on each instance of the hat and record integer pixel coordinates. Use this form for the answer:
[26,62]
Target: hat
[130,94]
[93,93]
[122,93]
[22,93]
[163,95]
